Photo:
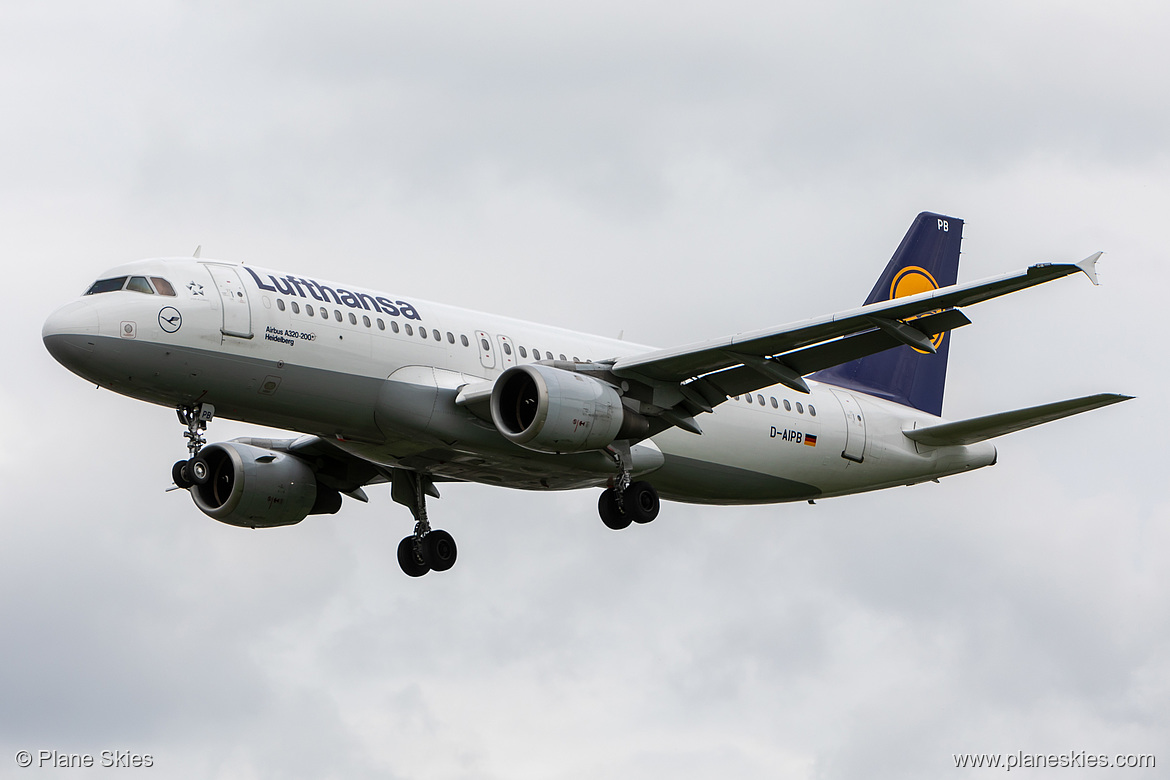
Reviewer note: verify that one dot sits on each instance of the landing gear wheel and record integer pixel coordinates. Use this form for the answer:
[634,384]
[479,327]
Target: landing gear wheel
[607,507]
[641,502]
[408,558]
[181,475]
[439,549]
[199,470]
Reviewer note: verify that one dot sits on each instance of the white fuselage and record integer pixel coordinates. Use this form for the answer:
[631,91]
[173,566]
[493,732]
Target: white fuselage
[377,375]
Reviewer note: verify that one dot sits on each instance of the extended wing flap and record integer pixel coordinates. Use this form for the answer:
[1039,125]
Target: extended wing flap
[832,353]
[744,379]
[981,428]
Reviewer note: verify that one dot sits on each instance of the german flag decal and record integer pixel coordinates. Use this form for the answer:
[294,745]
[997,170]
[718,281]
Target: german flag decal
[810,439]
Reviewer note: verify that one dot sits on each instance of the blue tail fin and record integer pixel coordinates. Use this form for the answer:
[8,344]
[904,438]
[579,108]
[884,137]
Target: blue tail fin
[927,258]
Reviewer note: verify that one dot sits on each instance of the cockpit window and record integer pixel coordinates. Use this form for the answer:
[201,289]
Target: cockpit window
[163,286]
[106,285]
[139,284]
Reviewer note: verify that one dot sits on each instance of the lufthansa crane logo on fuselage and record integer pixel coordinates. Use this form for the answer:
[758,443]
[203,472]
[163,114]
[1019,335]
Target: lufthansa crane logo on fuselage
[913,280]
[169,319]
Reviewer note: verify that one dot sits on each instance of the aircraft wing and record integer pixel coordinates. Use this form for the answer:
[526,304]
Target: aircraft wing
[682,363]
[707,372]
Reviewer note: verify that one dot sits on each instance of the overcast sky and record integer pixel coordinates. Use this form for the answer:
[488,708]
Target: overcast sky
[670,171]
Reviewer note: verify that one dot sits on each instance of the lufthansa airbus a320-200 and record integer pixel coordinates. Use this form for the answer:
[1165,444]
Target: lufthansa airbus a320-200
[387,388]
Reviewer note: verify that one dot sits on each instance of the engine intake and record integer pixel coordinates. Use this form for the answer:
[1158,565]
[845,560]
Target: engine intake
[548,409]
[253,487]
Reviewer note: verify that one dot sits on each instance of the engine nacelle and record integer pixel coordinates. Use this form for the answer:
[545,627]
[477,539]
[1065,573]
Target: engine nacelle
[552,410]
[257,488]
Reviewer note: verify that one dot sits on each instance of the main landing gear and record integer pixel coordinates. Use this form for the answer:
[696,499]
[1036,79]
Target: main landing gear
[626,502]
[194,470]
[427,549]
[636,504]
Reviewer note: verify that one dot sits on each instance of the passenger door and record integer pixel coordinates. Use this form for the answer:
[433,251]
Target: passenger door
[854,427]
[237,312]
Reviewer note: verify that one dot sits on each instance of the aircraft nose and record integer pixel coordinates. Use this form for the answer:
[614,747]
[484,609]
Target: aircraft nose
[73,319]
[69,332]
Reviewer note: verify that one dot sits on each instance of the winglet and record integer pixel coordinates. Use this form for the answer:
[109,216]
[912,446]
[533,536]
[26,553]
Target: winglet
[1088,267]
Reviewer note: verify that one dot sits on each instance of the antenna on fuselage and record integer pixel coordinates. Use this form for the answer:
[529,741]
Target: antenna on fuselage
[197,250]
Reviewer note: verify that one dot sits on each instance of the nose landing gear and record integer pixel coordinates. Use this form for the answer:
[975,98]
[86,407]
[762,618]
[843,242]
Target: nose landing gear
[193,471]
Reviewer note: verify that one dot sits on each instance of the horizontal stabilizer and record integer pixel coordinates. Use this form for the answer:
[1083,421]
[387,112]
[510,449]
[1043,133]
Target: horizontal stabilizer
[980,428]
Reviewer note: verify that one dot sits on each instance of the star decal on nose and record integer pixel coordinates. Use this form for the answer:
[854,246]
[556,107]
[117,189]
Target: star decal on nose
[196,289]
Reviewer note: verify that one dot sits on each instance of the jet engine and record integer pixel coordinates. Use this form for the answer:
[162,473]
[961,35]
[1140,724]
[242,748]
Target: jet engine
[549,409]
[252,487]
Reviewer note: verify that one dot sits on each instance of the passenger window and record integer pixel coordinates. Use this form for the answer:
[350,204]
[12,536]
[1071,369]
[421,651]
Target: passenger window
[324,313]
[296,308]
[787,406]
[409,330]
[365,321]
[381,325]
[486,346]
[438,336]
[464,340]
[799,408]
[106,285]
[450,337]
[162,286]
[575,359]
[337,315]
[563,356]
[352,319]
[812,410]
[394,325]
[422,332]
[760,399]
[507,348]
[280,303]
[310,311]
[748,398]
[523,352]
[774,404]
